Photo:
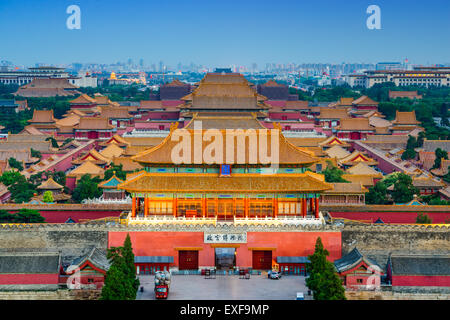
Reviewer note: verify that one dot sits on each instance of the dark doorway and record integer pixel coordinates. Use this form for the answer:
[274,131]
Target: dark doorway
[262,260]
[188,260]
[225,258]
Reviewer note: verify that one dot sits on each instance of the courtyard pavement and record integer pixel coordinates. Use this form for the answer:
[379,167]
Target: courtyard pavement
[258,287]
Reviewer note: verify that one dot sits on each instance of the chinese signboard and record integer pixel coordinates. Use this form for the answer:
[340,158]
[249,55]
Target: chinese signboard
[225,237]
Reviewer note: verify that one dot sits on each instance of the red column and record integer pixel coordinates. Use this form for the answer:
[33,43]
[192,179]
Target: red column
[246,207]
[204,207]
[311,205]
[317,207]
[174,207]
[304,204]
[146,204]
[133,207]
[275,208]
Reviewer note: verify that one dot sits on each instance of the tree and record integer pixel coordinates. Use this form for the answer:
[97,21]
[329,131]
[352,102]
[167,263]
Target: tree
[333,174]
[390,179]
[48,197]
[6,217]
[13,163]
[68,140]
[36,154]
[53,141]
[404,190]
[22,191]
[117,170]
[29,216]
[444,114]
[377,194]
[58,176]
[420,139]
[423,219]
[87,188]
[411,143]
[115,288]
[409,154]
[120,281]
[446,177]
[323,280]
[130,270]
[440,154]
[10,177]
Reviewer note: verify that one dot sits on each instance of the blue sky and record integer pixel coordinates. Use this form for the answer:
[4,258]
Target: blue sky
[220,33]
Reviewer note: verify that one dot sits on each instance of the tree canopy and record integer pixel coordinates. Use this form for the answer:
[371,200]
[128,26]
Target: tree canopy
[120,280]
[377,194]
[440,154]
[87,188]
[423,219]
[13,163]
[117,170]
[48,197]
[333,174]
[323,280]
[404,190]
[23,216]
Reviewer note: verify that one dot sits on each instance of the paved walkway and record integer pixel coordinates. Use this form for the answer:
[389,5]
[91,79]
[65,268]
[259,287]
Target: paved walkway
[190,287]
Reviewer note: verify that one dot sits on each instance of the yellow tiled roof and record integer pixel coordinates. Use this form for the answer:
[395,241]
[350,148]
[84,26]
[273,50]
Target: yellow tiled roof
[87,168]
[288,153]
[211,182]
[112,150]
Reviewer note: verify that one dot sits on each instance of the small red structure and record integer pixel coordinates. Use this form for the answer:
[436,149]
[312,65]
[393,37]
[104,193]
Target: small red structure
[151,264]
[29,270]
[293,265]
[88,271]
[419,270]
[358,272]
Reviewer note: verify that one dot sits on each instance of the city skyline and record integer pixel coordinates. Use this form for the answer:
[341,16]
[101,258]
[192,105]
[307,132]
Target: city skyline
[224,34]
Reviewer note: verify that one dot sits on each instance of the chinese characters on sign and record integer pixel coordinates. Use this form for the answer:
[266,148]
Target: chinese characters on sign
[225,237]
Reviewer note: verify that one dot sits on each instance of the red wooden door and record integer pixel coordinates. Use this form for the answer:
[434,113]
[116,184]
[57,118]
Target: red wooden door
[355,135]
[262,260]
[93,135]
[188,260]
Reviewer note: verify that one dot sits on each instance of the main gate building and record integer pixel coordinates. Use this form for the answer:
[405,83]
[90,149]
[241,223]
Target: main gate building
[245,189]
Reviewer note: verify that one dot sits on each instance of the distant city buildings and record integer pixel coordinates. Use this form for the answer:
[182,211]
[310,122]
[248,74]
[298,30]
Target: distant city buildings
[23,77]
[419,76]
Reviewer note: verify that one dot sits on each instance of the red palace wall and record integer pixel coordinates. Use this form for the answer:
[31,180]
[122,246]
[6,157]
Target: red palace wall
[285,244]
[392,217]
[71,182]
[29,278]
[421,281]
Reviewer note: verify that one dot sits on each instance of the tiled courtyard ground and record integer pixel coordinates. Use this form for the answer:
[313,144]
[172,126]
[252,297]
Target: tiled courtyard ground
[191,287]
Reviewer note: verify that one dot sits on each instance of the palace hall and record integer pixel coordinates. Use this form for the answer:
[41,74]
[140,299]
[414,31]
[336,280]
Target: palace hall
[223,169]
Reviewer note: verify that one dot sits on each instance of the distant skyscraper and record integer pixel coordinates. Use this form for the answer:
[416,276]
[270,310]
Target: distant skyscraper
[389,66]
[254,67]
[141,63]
